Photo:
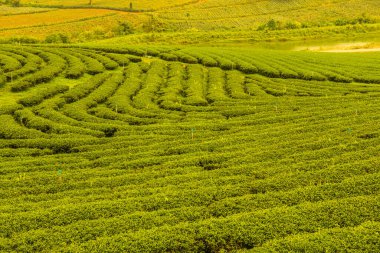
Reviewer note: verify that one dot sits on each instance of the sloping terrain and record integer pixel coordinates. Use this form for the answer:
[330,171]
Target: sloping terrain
[72,22]
[248,14]
[120,4]
[183,16]
[163,149]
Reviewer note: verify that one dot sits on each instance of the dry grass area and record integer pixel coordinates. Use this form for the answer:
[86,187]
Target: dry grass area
[183,16]
[140,5]
[244,14]
[8,11]
[354,47]
[72,22]
[50,17]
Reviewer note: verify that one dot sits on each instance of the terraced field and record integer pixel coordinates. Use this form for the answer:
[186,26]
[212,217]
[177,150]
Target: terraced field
[121,4]
[163,149]
[248,14]
[71,22]
[318,18]
[10,11]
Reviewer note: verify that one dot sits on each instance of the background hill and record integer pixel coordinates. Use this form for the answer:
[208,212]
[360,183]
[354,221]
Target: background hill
[121,4]
[246,14]
[39,18]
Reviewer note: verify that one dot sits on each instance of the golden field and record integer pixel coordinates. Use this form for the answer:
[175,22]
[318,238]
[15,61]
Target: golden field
[50,17]
[139,5]
[176,15]
[8,10]
[78,24]
[243,14]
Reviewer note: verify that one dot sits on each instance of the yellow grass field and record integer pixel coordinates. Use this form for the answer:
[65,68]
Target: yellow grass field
[50,17]
[8,10]
[139,5]
[243,14]
[177,15]
[75,23]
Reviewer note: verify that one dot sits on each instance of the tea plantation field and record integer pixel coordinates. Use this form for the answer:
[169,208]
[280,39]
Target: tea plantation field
[180,149]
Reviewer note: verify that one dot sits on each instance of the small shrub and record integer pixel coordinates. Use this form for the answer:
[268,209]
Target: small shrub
[123,28]
[57,38]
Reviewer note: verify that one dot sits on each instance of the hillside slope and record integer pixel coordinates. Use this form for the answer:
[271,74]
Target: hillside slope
[180,16]
[245,14]
[83,24]
[122,4]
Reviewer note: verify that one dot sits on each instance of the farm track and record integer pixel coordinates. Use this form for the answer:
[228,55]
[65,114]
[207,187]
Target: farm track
[158,144]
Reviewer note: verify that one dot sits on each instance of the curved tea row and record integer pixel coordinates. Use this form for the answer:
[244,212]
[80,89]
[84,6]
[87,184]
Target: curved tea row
[168,149]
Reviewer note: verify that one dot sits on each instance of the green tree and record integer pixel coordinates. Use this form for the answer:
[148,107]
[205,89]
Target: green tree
[57,38]
[293,25]
[14,3]
[124,28]
[272,24]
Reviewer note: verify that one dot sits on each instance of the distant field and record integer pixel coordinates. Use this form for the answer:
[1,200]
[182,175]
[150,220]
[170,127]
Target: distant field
[67,21]
[243,14]
[124,4]
[188,16]
[363,33]
[50,17]
[8,11]
[185,149]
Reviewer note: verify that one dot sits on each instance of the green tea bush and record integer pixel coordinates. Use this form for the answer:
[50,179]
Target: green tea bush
[36,99]
[154,77]
[32,65]
[337,239]
[105,61]
[10,109]
[3,80]
[216,85]
[169,57]
[202,58]
[183,57]
[278,154]
[82,90]
[55,66]
[11,130]
[76,68]
[217,234]
[235,85]
[122,99]
[9,63]
[57,38]
[121,59]
[171,95]
[93,66]
[195,86]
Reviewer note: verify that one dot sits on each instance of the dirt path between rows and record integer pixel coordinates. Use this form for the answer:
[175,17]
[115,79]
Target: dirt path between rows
[360,50]
[358,47]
